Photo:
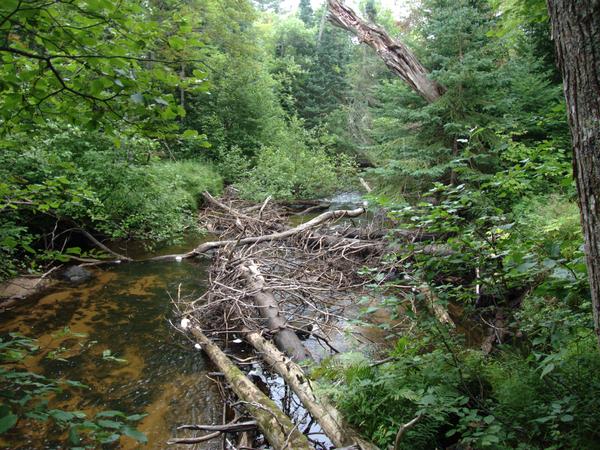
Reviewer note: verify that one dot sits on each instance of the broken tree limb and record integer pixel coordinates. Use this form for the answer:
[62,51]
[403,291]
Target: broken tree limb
[272,422]
[434,305]
[397,56]
[207,246]
[97,243]
[194,440]
[226,428]
[328,417]
[285,338]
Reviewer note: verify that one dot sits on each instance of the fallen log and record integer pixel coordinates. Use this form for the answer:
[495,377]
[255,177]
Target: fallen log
[285,338]
[328,417]
[272,422]
[207,246]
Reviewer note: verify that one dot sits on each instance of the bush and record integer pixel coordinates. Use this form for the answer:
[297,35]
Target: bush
[66,177]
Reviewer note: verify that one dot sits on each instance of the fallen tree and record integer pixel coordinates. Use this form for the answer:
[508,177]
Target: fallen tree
[285,338]
[397,56]
[328,417]
[272,422]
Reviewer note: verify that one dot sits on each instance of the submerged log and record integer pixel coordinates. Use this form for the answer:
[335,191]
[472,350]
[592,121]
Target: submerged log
[328,417]
[272,422]
[285,338]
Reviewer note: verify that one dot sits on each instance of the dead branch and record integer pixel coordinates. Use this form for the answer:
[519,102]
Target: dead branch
[397,56]
[324,413]
[273,423]
[207,246]
[286,339]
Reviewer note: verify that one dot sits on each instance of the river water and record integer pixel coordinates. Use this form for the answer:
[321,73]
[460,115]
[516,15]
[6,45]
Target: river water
[125,309]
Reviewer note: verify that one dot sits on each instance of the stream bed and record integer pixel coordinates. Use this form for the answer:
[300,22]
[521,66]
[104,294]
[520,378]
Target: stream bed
[124,309]
[114,334]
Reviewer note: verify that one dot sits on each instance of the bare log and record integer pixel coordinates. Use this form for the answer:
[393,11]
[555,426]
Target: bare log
[322,411]
[226,428]
[285,338]
[434,305]
[273,423]
[397,56]
[207,246]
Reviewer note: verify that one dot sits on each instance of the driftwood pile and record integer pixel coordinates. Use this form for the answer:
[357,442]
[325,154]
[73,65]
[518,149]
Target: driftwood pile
[270,285]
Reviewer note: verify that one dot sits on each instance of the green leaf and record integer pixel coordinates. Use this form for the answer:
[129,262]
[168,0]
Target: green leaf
[190,134]
[110,414]
[547,369]
[134,434]
[7,422]
[109,424]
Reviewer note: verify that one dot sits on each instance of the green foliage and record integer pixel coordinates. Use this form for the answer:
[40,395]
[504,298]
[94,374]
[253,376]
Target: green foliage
[26,396]
[501,402]
[95,63]
[294,169]
[66,177]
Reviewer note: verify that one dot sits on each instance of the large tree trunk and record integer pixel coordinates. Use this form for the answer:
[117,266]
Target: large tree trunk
[576,33]
[395,54]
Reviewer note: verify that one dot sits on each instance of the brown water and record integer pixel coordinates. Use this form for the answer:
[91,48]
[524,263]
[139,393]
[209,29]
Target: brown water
[125,309]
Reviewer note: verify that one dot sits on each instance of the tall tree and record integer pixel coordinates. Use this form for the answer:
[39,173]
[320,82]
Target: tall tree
[576,33]
[306,13]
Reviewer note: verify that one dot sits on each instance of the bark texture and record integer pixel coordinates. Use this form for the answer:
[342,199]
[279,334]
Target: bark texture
[576,33]
[395,54]
[285,338]
[323,412]
[275,425]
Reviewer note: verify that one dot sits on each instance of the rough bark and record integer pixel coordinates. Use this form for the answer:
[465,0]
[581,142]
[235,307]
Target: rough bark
[285,338]
[328,417]
[576,33]
[273,423]
[397,56]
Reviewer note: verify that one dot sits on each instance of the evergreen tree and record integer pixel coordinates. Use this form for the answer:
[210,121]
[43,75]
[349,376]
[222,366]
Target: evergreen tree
[306,13]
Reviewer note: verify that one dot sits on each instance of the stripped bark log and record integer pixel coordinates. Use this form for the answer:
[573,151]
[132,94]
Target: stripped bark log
[207,246]
[434,305]
[285,338]
[328,417]
[273,423]
[394,54]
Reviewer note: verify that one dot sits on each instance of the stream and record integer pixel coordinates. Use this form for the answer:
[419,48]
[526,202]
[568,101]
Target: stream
[113,333]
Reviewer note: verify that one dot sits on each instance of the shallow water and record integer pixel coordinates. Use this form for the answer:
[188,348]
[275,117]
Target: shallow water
[125,309]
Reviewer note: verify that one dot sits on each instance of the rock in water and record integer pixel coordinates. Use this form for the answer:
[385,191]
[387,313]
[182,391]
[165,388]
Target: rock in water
[76,274]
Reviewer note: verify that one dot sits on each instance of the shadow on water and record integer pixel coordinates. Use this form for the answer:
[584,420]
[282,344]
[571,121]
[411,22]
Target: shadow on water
[124,309]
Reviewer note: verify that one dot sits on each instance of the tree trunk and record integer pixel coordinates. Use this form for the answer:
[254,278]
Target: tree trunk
[275,425]
[285,338]
[325,414]
[576,33]
[395,54]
